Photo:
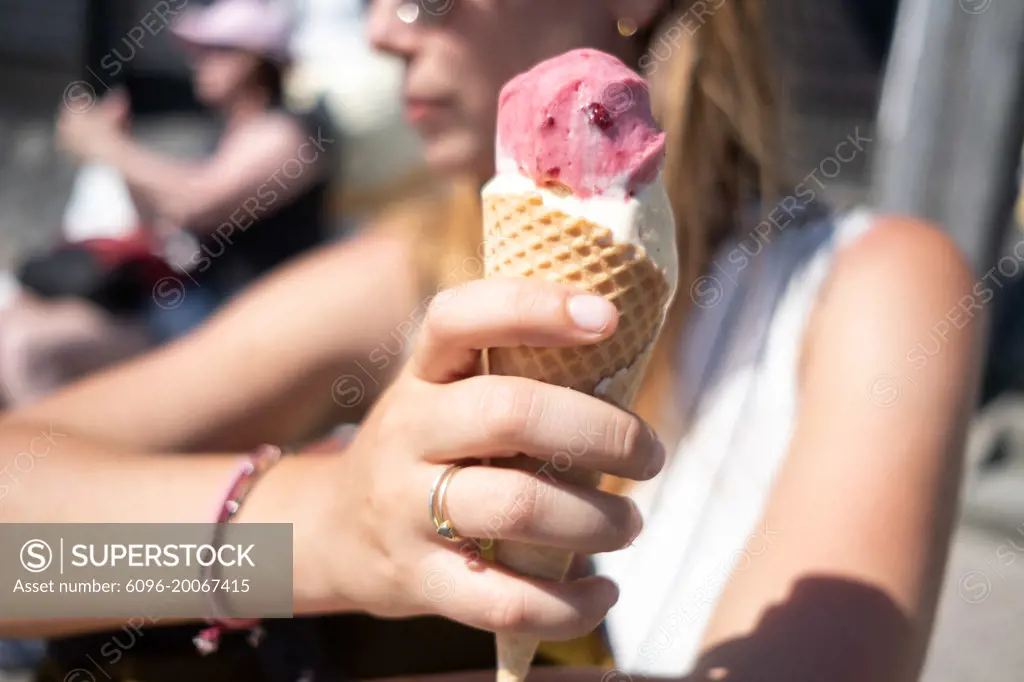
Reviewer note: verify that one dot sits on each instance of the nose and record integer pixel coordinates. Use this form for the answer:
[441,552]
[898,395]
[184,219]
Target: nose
[386,30]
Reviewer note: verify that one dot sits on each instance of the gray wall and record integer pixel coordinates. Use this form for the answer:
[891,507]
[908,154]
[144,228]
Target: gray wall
[51,34]
[46,33]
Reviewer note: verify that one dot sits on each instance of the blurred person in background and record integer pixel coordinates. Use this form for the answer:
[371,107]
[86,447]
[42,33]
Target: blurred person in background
[259,200]
[800,526]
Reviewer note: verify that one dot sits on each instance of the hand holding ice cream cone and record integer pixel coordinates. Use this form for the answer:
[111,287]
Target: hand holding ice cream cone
[578,199]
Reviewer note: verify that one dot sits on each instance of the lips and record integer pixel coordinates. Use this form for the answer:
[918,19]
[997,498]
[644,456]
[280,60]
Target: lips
[423,109]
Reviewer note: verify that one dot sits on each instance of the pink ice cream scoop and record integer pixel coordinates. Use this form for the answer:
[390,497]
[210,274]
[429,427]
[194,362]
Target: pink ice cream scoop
[583,120]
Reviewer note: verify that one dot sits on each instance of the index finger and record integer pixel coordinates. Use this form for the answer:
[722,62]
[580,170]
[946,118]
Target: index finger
[505,313]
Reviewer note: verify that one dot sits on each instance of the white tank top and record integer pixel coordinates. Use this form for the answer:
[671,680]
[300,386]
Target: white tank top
[740,359]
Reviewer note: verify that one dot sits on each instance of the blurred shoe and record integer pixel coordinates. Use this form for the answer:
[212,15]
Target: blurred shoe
[18,655]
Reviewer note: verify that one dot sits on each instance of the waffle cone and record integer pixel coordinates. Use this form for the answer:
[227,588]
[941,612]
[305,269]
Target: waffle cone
[525,238]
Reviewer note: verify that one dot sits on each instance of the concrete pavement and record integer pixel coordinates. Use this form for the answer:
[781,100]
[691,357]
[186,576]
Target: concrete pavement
[980,622]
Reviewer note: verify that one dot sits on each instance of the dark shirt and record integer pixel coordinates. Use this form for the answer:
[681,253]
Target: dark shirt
[264,231]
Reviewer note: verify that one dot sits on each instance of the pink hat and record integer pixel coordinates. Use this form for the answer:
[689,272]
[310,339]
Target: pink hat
[260,26]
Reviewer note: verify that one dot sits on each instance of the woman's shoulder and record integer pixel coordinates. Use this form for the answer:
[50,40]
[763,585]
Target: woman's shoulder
[313,125]
[401,244]
[441,220]
[272,134]
[313,121]
[905,260]
[890,288]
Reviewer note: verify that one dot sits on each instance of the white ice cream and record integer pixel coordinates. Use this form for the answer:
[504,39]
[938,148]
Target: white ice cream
[644,220]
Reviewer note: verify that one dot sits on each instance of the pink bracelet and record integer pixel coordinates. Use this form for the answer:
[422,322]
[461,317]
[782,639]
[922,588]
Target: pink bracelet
[250,472]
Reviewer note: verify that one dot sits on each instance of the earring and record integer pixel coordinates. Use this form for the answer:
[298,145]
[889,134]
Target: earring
[627,27]
[408,12]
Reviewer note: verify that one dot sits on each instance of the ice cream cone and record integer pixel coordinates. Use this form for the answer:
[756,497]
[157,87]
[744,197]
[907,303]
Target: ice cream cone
[526,238]
[578,199]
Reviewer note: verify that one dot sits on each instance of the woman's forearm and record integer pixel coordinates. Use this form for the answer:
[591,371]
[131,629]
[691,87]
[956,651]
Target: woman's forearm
[240,181]
[230,386]
[162,184]
[53,477]
[144,209]
[56,477]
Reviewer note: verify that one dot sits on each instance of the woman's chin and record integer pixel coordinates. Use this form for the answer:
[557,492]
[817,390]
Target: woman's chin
[459,155]
[209,96]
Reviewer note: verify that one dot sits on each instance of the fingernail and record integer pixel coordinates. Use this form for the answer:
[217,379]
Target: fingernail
[657,459]
[611,594]
[638,522]
[591,313]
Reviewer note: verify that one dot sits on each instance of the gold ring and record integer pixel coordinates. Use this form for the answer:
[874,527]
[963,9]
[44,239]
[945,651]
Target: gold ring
[439,504]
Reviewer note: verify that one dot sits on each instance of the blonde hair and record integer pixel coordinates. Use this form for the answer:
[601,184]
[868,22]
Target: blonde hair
[717,109]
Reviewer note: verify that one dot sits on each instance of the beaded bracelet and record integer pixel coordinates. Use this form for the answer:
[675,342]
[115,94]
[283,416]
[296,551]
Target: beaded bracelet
[251,471]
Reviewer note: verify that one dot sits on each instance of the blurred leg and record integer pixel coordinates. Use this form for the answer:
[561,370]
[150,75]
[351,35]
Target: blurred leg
[180,311]
[45,345]
[17,655]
